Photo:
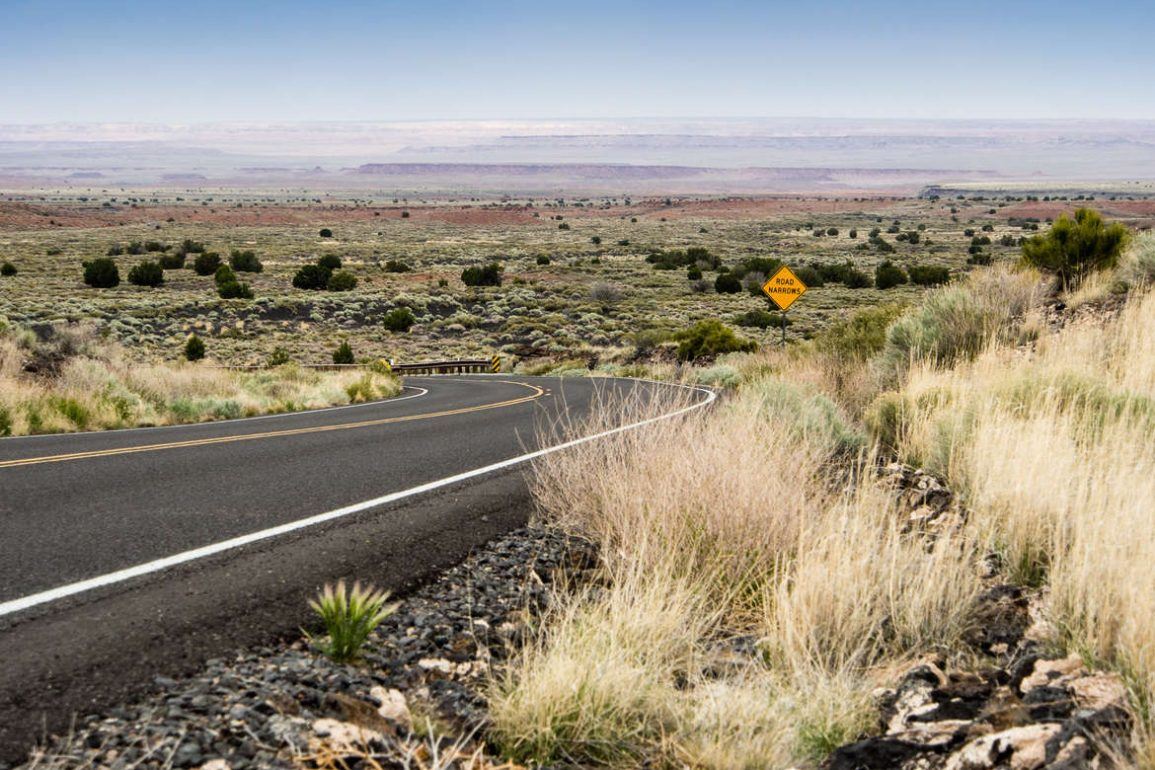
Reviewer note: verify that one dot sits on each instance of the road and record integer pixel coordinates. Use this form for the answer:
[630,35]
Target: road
[126,555]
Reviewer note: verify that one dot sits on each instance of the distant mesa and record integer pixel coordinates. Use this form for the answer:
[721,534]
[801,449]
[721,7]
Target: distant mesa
[86,175]
[184,177]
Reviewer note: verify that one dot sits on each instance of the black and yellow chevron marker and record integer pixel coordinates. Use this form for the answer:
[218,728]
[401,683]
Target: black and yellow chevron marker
[495,364]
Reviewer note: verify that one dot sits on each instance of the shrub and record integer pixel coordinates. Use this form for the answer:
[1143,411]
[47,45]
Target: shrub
[693,272]
[342,280]
[761,319]
[279,357]
[224,274]
[234,290]
[596,240]
[542,260]
[8,270]
[857,279]
[349,617]
[605,292]
[727,283]
[832,231]
[101,273]
[325,233]
[343,354]
[888,275]
[330,261]
[399,319]
[809,276]
[708,339]
[194,349]
[206,263]
[563,226]
[393,266]
[860,336]
[928,275]
[189,246]
[312,277]
[172,261]
[487,275]
[245,261]
[146,274]
[1075,247]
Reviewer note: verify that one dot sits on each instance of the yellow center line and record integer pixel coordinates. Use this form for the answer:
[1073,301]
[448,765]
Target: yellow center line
[538,392]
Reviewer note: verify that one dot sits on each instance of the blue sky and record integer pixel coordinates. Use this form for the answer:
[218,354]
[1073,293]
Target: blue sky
[212,60]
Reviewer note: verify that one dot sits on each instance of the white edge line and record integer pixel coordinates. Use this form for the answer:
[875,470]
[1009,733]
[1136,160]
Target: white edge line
[233,421]
[111,578]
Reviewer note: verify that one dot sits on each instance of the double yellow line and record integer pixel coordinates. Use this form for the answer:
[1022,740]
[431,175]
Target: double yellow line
[538,392]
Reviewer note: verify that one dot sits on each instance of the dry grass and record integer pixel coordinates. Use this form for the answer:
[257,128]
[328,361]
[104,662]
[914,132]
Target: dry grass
[1053,450]
[85,383]
[713,527]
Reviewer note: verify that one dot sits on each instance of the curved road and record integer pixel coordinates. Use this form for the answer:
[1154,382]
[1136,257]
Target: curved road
[126,555]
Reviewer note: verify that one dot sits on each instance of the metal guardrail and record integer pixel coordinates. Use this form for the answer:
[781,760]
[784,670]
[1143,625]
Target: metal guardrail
[467,366]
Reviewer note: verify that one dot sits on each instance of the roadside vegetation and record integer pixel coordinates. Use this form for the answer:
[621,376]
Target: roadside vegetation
[760,581]
[70,378]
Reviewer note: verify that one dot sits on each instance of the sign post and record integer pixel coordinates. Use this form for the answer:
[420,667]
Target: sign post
[783,288]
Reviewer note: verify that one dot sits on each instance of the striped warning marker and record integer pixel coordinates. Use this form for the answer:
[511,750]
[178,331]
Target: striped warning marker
[495,364]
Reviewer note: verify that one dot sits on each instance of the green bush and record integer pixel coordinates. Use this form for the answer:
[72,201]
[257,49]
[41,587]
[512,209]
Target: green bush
[245,261]
[542,259]
[859,337]
[399,319]
[206,263]
[809,276]
[325,233]
[234,290]
[330,261]
[888,275]
[929,275]
[101,273]
[693,273]
[857,279]
[279,357]
[312,277]
[761,319]
[727,283]
[488,275]
[224,274]
[189,246]
[342,280]
[708,339]
[146,274]
[194,349]
[393,266]
[8,270]
[343,354]
[1075,247]
[349,618]
[172,260]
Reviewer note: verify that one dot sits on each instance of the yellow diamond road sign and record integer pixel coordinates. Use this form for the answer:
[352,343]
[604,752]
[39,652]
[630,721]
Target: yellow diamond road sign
[783,288]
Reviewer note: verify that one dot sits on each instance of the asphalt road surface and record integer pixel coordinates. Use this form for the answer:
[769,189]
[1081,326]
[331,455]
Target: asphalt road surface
[126,555]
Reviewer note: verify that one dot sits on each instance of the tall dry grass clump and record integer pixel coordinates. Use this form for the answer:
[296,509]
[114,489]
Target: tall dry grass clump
[748,522]
[1053,449]
[75,380]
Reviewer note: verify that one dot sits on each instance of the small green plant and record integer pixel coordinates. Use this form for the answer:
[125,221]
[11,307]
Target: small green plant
[888,275]
[245,261]
[172,260]
[708,339]
[487,275]
[330,261]
[727,283]
[206,263]
[224,274]
[542,259]
[101,273]
[313,277]
[325,233]
[342,280]
[7,269]
[194,349]
[399,319]
[234,290]
[279,357]
[146,274]
[1075,247]
[395,266]
[928,275]
[343,354]
[349,617]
